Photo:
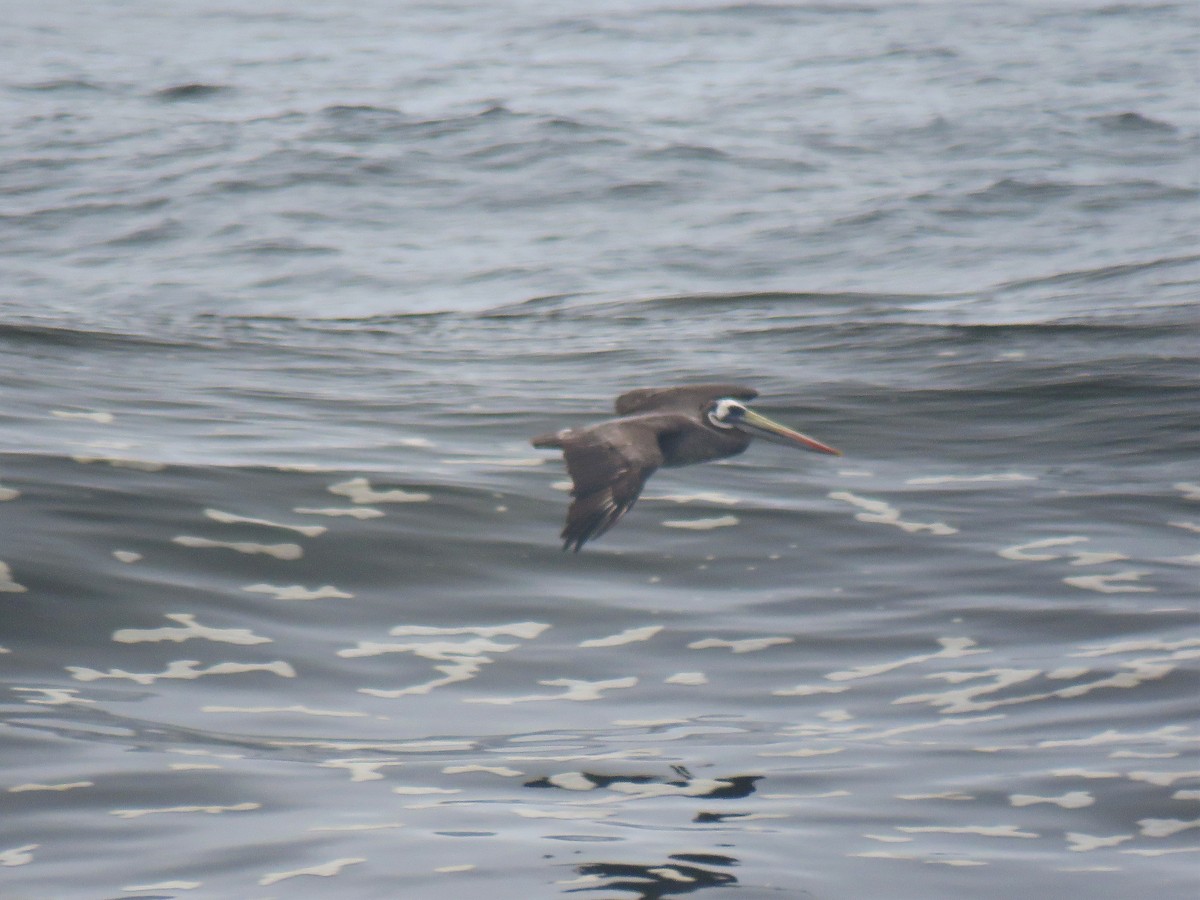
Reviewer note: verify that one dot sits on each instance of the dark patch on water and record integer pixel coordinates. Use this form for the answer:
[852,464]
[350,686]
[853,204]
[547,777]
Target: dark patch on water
[191,91]
[61,84]
[1133,122]
[650,882]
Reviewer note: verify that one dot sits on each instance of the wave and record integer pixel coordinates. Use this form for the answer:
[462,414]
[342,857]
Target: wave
[1102,273]
[1007,190]
[61,84]
[25,335]
[1132,122]
[191,91]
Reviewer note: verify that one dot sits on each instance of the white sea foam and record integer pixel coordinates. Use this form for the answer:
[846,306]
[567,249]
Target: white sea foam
[227,518]
[324,870]
[359,490]
[883,513]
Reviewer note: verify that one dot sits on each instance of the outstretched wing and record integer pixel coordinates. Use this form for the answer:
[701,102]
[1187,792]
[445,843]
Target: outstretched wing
[685,399]
[609,463]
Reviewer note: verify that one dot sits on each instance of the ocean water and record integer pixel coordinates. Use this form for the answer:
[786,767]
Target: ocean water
[286,292]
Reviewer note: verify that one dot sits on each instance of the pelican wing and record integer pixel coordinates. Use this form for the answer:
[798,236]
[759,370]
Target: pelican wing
[609,463]
[686,399]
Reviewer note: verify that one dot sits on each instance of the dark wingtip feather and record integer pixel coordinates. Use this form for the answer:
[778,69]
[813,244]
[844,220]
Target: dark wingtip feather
[591,516]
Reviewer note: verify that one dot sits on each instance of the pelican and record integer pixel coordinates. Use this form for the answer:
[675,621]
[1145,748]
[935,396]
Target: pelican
[610,461]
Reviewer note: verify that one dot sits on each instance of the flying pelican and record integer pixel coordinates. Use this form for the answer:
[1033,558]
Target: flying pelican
[673,426]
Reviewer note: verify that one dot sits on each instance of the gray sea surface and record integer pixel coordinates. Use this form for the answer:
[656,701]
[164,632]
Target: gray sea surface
[285,291]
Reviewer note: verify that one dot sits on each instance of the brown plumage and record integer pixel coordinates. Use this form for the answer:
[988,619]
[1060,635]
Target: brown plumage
[675,426]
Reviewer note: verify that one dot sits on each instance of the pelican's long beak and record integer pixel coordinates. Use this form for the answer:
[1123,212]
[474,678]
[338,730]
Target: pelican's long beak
[760,426]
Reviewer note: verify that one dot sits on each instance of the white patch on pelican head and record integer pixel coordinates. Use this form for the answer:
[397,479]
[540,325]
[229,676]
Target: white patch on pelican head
[725,412]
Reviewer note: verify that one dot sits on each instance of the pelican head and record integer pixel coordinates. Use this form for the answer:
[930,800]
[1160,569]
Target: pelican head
[727,412]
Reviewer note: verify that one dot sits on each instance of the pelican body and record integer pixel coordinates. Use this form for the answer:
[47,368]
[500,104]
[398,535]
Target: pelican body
[656,427]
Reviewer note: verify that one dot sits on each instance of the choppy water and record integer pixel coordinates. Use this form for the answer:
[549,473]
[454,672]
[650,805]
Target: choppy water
[286,294]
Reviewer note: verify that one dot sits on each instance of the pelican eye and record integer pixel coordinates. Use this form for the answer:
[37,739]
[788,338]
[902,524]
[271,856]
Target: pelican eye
[725,413]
